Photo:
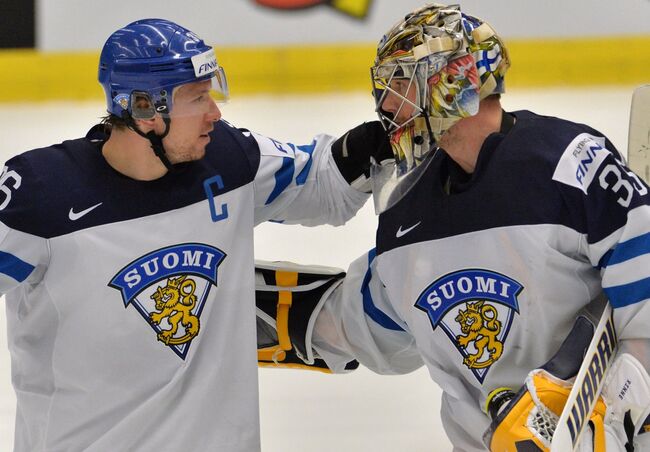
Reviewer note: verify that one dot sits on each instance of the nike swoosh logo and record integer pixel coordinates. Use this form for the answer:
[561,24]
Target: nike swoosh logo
[400,232]
[74,216]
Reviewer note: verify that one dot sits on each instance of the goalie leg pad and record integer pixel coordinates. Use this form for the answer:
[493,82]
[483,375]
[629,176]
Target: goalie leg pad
[288,298]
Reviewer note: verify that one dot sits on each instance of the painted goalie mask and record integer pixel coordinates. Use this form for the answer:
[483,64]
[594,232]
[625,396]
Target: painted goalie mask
[431,70]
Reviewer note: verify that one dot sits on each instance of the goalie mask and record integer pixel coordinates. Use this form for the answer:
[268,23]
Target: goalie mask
[431,70]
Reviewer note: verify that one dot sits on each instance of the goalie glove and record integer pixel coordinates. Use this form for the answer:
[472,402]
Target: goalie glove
[353,151]
[288,298]
[526,420]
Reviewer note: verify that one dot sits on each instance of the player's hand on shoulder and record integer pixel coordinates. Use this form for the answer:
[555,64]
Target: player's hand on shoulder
[354,150]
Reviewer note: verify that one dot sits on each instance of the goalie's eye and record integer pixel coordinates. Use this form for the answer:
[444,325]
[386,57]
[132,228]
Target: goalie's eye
[400,86]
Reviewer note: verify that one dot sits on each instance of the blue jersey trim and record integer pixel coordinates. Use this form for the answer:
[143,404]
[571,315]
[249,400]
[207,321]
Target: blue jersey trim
[368,305]
[14,267]
[283,178]
[627,250]
[309,149]
[627,294]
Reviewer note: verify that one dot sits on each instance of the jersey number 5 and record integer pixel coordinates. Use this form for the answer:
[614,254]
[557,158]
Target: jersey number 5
[9,179]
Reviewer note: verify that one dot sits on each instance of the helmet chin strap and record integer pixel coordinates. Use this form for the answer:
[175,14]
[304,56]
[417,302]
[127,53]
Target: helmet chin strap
[154,139]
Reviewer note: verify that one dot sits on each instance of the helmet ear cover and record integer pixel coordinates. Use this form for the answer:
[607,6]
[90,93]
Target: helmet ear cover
[142,106]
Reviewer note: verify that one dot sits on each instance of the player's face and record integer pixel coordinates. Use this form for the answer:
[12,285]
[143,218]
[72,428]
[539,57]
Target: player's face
[193,116]
[394,102]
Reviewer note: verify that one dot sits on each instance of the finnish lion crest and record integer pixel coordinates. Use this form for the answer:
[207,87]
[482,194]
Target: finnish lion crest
[175,302]
[475,308]
[480,327]
[169,287]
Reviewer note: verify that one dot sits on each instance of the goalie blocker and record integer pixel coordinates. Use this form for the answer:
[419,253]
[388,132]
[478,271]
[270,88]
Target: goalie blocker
[288,298]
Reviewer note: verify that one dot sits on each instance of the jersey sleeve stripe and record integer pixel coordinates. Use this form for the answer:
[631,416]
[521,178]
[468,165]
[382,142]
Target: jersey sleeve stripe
[14,267]
[627,294]
[626,272]
[309,150]
[283,178]
[626,250]
[369,306]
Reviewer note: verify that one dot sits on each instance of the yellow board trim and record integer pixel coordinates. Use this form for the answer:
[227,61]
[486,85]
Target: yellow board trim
[30,75]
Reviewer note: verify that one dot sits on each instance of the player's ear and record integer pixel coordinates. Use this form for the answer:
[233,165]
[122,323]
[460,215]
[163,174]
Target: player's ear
[147,125]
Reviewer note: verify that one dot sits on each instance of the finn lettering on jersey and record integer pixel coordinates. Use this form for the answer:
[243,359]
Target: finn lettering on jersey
[169,287]
[475,308]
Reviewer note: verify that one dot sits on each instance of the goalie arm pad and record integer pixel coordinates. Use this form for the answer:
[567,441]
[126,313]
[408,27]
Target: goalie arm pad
[288,298]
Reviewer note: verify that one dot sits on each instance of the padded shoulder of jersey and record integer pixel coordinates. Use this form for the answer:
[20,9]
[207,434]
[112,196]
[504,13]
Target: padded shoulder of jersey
[512,185]
[59,182]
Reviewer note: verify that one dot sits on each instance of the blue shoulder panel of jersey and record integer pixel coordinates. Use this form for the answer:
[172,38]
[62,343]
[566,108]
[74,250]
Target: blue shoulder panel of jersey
[69,186]
[284,175]
[513,184]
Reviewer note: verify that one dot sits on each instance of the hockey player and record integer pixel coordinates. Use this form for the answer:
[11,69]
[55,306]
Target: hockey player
[127,257]
[496,230]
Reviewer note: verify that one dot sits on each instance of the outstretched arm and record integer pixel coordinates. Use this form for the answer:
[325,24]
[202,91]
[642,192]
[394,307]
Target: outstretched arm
[324,181]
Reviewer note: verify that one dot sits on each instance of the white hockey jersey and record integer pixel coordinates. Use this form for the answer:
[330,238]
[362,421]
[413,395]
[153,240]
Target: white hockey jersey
[130,308]
[482,283]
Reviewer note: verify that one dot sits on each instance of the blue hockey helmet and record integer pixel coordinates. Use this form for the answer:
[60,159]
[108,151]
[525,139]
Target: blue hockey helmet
[147,59]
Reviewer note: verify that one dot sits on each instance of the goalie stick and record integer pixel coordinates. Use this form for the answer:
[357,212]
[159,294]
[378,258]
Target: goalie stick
[587,386]
[638,145]
[590,379]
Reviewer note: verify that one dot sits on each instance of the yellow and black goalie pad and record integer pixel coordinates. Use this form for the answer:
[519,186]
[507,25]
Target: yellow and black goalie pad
[288,298]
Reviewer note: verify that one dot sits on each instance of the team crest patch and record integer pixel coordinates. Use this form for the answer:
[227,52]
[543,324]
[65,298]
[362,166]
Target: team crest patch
[169,287]
[475,308]
[122,100]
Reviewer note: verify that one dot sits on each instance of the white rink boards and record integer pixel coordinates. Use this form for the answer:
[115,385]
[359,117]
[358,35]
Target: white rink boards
[302,411]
